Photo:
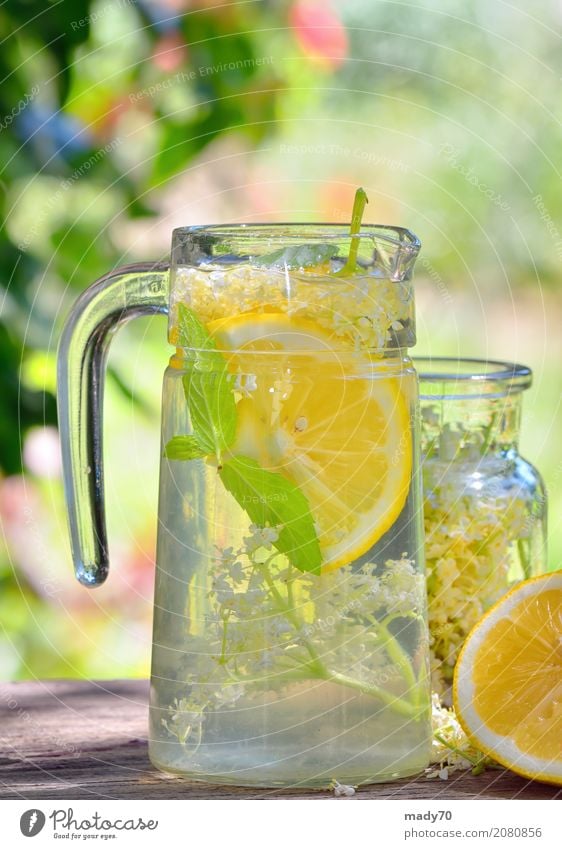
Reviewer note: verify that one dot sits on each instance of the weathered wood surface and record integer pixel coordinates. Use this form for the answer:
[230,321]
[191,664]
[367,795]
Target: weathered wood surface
[87,740]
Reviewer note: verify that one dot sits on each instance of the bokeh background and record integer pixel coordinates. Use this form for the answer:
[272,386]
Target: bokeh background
[120,120]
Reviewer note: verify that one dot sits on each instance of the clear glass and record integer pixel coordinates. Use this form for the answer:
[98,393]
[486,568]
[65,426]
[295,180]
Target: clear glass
[484,504]
[264,672]
[114,299]
[290,625]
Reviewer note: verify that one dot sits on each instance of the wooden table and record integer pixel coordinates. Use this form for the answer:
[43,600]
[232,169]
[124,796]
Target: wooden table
[87,740]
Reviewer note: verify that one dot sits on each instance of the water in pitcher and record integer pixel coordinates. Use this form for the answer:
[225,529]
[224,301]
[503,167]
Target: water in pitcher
[289,636]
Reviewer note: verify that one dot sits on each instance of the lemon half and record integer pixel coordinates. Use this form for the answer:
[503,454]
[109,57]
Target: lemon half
[508,680]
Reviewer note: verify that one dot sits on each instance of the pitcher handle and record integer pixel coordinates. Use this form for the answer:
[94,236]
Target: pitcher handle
[123,294]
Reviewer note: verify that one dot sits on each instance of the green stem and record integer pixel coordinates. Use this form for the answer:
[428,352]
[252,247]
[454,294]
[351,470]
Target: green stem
[356,217]
[396,654]
[401,706]
[317,667]
[479,762]
[289,613]
[225,617]
[472,760]
[290,599]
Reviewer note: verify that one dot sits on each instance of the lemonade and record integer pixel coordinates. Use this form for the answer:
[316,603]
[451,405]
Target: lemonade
[290,638]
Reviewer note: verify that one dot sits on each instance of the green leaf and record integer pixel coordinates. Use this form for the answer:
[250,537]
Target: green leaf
[193,334]
[212,408]
[207,386]
[269,500]
[184,448]
[297,256]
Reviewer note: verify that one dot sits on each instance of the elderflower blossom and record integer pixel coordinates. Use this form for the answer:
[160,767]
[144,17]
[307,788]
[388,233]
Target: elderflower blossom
[451,750]
[470,540]
[261,538]
[342,790]
[399,589]
[185,719]
[364,312]
[268,625]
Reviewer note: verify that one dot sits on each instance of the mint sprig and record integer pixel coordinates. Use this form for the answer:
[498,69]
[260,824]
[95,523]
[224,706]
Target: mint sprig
[270,499]
[297,256]
[359,203]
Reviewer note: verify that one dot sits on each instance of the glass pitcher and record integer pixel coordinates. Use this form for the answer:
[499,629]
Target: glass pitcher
[290,635]
[484,505]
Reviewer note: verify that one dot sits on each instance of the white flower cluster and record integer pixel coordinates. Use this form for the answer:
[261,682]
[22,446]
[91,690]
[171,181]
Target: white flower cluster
[471,541]
[261,538]
[397,590]
[365,312]
[342,790]
[451,749]
[185,719]
[269,625]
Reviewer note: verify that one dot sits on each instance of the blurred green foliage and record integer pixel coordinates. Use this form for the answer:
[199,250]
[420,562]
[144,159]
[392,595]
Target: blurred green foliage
[72,72]
[114,114]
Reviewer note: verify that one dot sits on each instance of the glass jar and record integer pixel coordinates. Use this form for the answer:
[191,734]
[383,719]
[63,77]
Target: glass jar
[484,504]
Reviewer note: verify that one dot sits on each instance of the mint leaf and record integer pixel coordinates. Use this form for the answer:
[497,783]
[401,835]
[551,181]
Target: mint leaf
[184,448]
[212,408]
[297,256]
[192,333]
[207,386]
[270,499]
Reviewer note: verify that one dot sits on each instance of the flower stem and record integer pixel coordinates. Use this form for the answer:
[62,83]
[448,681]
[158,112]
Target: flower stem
[318,668]
[396,653]
[225,617]
[401,706]
[479,761]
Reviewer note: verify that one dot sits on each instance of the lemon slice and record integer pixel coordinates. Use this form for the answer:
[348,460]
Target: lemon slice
[329,421]
[508,680]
